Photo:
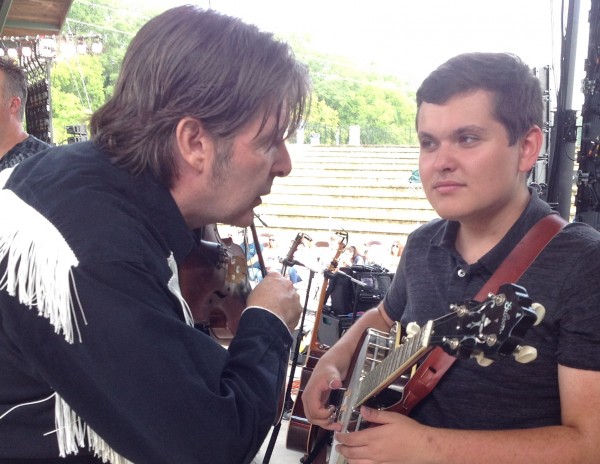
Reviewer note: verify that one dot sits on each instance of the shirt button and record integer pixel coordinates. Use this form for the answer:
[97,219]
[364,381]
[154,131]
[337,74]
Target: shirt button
[461,273]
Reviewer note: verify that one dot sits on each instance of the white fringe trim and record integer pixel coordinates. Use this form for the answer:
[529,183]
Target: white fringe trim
[71,432]
[39,266]
[176,290]
[4,175]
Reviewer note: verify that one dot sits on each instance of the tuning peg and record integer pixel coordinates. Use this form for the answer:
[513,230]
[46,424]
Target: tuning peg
[412,328]
[482,360]
[540,312]
[525,354]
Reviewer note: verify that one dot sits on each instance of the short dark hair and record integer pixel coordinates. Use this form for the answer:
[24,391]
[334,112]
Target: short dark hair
[517,92]
[198,63]
[15,82]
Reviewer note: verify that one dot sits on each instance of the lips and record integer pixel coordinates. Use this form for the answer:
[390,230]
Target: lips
[447,186]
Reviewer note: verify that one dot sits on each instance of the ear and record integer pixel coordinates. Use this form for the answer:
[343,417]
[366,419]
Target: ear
[531,144]
[194,144]
[15,105]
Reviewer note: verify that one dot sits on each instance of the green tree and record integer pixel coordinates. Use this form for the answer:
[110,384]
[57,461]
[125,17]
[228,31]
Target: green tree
[82,83]
[323,120]
[77,89]
[382,105]
[343,94]
[116,22]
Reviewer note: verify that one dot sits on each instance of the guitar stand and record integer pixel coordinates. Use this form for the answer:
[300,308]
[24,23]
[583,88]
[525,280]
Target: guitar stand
[288,403]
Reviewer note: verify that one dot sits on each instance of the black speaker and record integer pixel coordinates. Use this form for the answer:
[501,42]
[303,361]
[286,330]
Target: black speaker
[332,327]
[348,297]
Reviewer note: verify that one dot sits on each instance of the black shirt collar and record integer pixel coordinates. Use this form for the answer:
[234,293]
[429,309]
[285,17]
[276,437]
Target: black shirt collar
[535,210]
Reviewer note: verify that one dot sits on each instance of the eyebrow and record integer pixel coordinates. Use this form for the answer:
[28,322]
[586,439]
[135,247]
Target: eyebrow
[268,137]
[458,131]
[470,128]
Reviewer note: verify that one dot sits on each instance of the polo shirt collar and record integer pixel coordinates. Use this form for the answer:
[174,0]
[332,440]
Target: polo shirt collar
[535,210]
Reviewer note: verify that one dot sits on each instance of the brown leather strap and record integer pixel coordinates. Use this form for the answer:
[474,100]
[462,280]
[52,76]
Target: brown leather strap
[512,268]
[523,254]
[424,379]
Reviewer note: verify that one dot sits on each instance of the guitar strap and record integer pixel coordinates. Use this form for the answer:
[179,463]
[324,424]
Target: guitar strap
[510,270]
[523,254]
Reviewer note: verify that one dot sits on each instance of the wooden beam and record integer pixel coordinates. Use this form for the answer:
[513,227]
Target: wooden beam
[4,8]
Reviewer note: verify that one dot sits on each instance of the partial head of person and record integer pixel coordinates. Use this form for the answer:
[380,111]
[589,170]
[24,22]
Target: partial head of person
[516,92]
[396,248]
[194,79]
[479,125]
[13,95]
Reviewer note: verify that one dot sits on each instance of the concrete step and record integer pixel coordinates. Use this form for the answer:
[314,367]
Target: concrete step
[362,172]
[355,213]
[321,228]
[357,181]
[336,189]
[363,190]
[383,151]
[352,200]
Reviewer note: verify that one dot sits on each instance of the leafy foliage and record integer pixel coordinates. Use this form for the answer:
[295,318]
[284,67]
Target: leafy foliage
[343,95]
[82,83]
[77,89]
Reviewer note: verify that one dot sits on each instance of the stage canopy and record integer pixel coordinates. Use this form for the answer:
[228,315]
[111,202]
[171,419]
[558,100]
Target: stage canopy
[32,17]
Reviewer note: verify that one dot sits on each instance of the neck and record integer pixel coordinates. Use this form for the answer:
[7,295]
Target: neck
[476,238]
[8,141]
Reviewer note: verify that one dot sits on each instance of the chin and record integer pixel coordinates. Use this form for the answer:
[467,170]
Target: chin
[450,209]
[244,220]
[447,213]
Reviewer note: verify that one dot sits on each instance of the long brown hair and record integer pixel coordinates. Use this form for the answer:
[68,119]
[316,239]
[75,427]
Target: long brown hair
[203,64]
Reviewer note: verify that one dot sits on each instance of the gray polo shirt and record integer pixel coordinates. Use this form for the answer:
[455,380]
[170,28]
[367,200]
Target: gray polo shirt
[565,278]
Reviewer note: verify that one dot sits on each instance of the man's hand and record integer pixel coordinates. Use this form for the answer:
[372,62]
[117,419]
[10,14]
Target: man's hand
[331,370]
[391,438]
[315,397]
[278,295]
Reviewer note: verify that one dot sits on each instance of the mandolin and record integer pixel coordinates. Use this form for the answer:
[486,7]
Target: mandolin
[394,372]
[214,282]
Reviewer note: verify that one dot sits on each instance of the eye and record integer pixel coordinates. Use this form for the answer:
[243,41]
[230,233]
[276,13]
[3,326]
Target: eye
[273,146]
[265,144]
[427,144]
[468,139]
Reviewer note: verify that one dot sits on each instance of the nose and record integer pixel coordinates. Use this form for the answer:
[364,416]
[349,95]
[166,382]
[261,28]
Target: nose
[444,157]
[282,164]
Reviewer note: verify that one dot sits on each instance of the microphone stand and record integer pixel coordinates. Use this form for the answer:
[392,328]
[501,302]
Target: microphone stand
[356,281]
[288,403]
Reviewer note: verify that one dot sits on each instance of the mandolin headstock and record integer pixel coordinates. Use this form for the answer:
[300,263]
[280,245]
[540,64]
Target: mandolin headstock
[490,329]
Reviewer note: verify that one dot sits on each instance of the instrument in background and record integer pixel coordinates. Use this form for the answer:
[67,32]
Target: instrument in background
[289,260]
[378,376]
[287,402]
[299,427]
[315,347]
[214,282]
[261,261]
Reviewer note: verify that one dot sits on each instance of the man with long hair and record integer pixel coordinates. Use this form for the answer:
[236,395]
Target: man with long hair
[98,350]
